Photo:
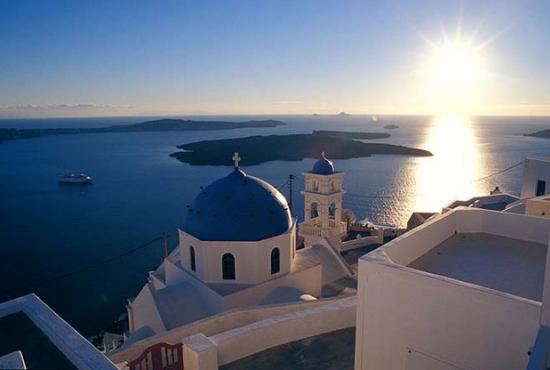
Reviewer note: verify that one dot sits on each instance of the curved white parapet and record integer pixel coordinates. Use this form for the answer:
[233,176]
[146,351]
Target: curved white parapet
[249,339]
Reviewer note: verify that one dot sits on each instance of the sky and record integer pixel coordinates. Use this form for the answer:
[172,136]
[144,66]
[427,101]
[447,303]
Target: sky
[110,58]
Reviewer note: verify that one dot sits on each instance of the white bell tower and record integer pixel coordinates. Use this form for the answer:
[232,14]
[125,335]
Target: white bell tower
[323,204]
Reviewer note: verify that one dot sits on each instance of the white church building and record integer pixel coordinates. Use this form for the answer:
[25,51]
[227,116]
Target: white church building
[237,248]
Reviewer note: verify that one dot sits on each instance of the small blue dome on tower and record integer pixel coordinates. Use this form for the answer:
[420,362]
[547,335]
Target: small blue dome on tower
[323,166]
[238,207]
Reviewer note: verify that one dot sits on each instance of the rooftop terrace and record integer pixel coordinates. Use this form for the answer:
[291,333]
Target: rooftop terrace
[500,251]
[505,264]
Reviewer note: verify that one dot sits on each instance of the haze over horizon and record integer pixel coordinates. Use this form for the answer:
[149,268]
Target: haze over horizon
[140,58]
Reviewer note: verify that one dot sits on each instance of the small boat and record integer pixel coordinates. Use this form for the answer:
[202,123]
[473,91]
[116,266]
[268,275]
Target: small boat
[72,178]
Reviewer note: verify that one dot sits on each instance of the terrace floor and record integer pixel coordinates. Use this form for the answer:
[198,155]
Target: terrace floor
[496,262]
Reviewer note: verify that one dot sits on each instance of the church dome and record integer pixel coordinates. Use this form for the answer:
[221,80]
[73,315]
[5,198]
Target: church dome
[323,166]
[238,207]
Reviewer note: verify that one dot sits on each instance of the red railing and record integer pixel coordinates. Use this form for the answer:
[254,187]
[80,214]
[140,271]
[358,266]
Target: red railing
[160,356]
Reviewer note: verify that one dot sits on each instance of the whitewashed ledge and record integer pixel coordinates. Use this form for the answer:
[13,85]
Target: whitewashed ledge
[74,346]
[256,337]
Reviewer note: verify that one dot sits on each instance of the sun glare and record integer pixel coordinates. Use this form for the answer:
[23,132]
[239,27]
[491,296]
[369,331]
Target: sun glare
[452,172]
[453,73]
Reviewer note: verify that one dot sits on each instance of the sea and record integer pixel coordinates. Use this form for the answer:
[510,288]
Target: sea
[59,241]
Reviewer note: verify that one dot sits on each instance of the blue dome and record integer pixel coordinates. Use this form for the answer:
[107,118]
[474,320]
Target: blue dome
[323,167]
[238,207]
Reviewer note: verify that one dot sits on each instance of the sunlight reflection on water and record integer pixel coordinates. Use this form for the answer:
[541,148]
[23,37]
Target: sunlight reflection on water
[453,170]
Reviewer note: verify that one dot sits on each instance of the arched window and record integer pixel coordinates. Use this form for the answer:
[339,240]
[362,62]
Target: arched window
[228,267]
[192,258]
[275,261]
[314,211]
[332,211]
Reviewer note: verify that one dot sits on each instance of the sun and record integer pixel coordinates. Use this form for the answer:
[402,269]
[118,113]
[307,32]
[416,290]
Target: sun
[455,67]
[453,74]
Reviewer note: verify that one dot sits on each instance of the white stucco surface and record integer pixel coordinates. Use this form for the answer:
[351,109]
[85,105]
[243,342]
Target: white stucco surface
[252,259]
[13,360]
[211,325]
[199,353]
[413,300]
[74,346]
[249,339]
[320,193]
[180,297]
[180,304]
[332,264]
[539,206]
[535,169]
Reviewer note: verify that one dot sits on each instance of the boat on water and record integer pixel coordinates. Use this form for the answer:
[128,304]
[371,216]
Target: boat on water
[72,178]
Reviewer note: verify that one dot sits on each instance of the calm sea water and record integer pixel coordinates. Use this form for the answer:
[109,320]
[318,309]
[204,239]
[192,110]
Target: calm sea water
[139,192]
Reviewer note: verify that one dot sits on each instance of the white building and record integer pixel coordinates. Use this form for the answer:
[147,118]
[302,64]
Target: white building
[538,206]
[237,248]
[323,195]
[536,177]
[535,185]
[467,290]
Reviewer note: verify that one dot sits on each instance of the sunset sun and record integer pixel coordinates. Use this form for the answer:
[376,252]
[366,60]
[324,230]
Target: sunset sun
[453,74]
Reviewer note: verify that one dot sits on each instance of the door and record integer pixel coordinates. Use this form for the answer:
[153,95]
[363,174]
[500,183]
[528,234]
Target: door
[541,188]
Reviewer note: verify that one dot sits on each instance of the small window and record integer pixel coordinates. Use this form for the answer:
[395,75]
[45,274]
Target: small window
[541,188]
[192,258]
[275,261]
[314,211]
[228,267]
[332,211]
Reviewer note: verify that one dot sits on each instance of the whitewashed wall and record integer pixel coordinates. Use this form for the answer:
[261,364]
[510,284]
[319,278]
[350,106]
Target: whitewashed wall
[535,169]
[471,328]
[252,259]
[539,207]
[308,281]
[142,310]
[403,311]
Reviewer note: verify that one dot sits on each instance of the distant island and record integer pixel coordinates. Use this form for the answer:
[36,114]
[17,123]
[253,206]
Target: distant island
[159,125]
[391,127]
[353,135]
[343,114]
[294,147]
[543,133]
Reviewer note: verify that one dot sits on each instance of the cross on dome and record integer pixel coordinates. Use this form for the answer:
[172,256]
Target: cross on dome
[236,158]
[323,155]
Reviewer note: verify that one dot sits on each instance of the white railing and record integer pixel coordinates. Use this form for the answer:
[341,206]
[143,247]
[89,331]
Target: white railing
[335,229]
[73,345]
[313,230]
